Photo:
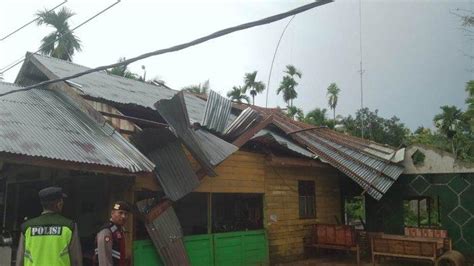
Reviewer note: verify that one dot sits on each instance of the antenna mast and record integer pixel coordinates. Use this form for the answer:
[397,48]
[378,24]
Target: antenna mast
[361,71]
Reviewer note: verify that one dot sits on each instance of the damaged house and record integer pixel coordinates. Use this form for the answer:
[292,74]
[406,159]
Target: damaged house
[213,182]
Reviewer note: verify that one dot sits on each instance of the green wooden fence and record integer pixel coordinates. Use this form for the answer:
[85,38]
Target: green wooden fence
[223,249]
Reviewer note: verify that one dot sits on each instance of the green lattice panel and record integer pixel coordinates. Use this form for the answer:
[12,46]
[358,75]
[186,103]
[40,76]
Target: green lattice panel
[454,230]
[463,246]
[458,184]
[448,199]
[467,199]
[460,216]
[442,179]
[420,184]
[468,231]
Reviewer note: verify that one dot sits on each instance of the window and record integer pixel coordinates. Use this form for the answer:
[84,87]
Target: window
[354,211]
[307,200]
[236,212]
[422,212]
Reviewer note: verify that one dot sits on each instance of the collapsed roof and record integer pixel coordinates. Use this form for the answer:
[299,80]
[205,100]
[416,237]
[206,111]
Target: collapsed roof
[373,166]
[48,124]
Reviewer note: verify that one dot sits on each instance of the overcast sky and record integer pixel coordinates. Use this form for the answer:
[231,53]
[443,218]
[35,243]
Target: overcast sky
[413,51]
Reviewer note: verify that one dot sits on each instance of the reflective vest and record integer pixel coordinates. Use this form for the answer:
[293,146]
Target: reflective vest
[47,240]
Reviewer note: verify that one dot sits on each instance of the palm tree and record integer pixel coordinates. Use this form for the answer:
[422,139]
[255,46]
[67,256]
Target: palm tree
[60,43]
[292,71]
[123,71]
[448,121]
[237,95]
[288,85]
[333,96]
[255,87]
[293,112]
[201,88]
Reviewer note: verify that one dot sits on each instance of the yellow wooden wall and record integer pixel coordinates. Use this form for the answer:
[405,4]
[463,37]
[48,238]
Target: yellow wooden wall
[242,172]
[246,172]
[281,208]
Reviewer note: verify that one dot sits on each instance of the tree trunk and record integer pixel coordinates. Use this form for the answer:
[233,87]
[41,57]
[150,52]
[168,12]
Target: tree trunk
[452,147]
[334,114]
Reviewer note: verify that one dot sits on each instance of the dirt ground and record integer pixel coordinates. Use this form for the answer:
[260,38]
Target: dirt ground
[348,260]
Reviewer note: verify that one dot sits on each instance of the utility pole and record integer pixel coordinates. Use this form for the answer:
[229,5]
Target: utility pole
[361,71]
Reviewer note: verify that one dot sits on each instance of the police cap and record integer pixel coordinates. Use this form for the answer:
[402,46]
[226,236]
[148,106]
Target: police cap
[121,206]
[51,193]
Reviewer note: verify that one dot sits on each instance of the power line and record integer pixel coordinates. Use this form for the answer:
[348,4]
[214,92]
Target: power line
[21,59]
[274,55]
[20,28]
[182,46]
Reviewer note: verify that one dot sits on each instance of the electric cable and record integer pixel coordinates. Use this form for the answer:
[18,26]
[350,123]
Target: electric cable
[182,46]
[20,28]
[21,59]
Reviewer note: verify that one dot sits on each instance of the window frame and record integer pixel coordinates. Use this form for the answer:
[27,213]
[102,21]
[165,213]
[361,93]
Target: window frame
[432,207]
[306,199]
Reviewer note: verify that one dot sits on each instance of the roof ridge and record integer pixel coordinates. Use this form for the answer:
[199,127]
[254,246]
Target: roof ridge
[10,84]
[102,72]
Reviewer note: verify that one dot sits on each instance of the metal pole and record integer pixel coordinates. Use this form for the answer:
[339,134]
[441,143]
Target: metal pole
[361,71]
[5,206]
[273,59]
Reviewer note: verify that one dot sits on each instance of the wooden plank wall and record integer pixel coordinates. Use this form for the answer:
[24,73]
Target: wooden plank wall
[246,172]
[281,208]
[242,172]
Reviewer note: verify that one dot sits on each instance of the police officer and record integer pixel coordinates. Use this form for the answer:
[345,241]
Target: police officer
[49,239]
[111,239]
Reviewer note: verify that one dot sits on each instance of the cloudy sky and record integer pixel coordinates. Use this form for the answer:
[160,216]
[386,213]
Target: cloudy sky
[413,51]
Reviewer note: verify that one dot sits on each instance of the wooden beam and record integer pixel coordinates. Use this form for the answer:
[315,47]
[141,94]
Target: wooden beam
[294,162]
[247,135]
[135,119]
[146,181]
[157,210]
[53,163]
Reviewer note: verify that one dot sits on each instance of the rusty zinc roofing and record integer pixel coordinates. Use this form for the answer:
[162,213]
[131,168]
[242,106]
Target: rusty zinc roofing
[105,86]
[371,165]
[165,232]
[47,124]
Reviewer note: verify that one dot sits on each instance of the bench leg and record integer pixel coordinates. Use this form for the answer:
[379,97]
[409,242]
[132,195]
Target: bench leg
[373,259]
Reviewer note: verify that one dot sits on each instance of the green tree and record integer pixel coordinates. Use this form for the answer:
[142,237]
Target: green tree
[201,88]
[237,95]
[288,84]
[448,122]
[388,131]
[469,114]
[60,43]
[295,112]
[123,71]
[333,96]
[318,117]
[255,87]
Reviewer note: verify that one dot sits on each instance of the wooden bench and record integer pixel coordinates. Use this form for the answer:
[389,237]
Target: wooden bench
[431,233]
[339,237]
[408,247]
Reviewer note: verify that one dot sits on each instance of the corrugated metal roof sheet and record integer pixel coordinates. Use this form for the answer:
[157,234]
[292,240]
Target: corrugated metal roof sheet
[369,164]
[166,234]
[114,88]
[283,141]
[246,120]
[47,124]
[175,173]
[175,114]
[217,113]
[217,149]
